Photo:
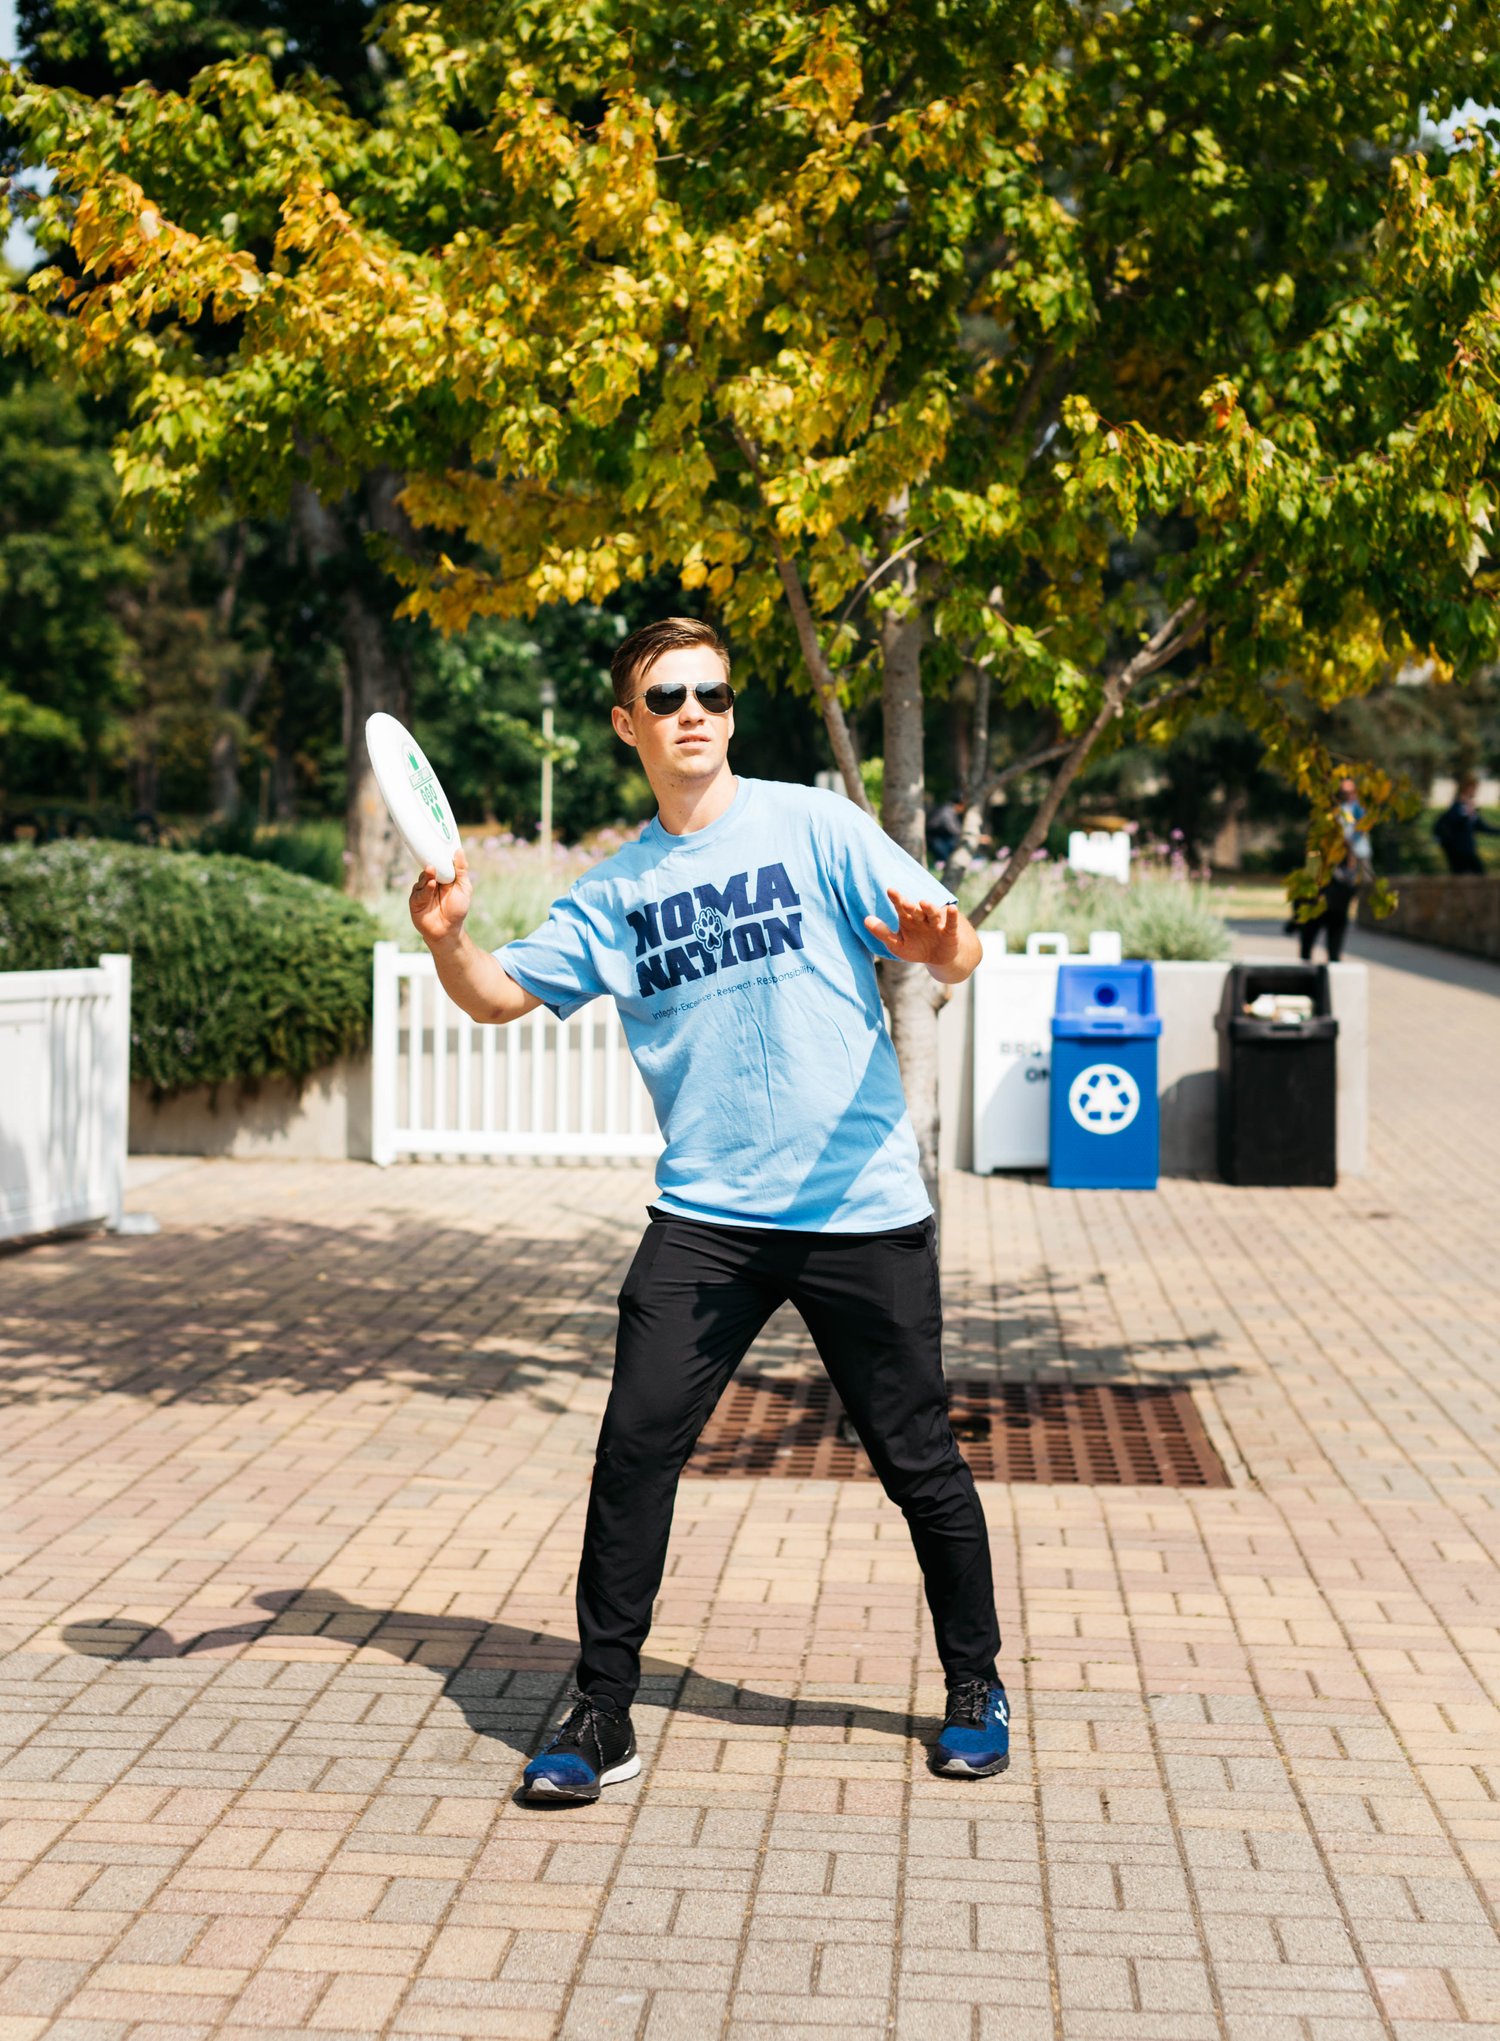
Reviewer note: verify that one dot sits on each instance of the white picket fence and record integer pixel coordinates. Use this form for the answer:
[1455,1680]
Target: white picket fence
[444,1085]
[64,1096]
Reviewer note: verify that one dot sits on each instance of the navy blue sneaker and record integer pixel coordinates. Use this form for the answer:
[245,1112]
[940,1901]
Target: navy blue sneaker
[594,1747]
[975,1743]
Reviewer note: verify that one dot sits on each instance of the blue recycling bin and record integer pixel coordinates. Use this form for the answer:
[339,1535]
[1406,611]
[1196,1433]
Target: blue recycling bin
[1106,1124]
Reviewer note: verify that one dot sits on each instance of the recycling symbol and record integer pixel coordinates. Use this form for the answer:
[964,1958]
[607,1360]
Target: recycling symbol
[708,927]
[1104,1099]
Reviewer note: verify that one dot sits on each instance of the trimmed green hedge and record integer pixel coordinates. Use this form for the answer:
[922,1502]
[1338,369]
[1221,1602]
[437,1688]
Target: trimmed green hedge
[240,970]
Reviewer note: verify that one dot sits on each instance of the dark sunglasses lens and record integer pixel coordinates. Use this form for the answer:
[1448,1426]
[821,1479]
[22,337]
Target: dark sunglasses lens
[666,697]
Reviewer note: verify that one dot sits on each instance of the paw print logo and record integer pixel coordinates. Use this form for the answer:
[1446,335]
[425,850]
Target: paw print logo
[708,928]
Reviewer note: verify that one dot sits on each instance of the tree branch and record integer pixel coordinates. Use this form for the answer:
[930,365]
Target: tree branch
[1171,694]
[980,802]
[1170,638]
[1041,368]
[255,679]
[1029,762]
[883,567]
[229,588]
[840,736]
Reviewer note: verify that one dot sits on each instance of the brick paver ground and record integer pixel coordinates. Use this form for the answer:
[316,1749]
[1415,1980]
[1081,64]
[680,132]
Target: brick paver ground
[294,1495]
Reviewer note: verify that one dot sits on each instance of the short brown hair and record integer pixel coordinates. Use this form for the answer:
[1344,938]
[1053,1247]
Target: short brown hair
[636,655]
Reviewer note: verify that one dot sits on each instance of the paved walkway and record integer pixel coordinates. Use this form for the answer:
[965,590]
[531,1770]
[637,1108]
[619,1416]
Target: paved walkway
[294,1493]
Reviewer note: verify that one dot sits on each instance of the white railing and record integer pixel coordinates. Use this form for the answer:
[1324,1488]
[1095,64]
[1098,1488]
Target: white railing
[444,1085]
[64,1096]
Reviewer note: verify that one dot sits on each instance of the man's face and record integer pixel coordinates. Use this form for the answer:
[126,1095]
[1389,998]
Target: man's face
[690,745]
[1347,790]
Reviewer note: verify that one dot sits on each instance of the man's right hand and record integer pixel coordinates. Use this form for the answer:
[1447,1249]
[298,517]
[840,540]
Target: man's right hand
[438,911]
[472,978]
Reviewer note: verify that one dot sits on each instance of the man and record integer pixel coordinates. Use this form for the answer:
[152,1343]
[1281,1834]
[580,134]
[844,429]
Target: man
[1457,828]
[738,938]
[944,828]
[1344,882]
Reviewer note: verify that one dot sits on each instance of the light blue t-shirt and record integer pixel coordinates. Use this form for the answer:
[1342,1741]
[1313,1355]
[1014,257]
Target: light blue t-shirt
[745,978]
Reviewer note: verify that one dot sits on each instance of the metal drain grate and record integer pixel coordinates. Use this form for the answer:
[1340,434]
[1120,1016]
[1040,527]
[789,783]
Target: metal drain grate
[1099,1433]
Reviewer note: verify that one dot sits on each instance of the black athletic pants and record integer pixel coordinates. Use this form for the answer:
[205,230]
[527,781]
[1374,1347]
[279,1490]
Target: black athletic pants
[694,1300]
[1338,897]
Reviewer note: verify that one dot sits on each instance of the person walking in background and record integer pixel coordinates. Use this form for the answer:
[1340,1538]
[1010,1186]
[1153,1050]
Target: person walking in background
[1339,894]
[944,827]
[1457,827]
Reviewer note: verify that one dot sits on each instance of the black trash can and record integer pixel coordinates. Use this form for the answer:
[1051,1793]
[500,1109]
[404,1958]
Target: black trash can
[1278,1077]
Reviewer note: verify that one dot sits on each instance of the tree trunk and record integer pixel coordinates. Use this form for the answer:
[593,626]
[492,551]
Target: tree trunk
[224,773]
[144,772]
[232,717]
[375,675]
[374,678]
[283,777]
[224,750]
[908,988]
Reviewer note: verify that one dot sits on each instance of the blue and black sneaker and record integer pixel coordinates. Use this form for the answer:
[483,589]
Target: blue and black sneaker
[975,1743]
[594,1747]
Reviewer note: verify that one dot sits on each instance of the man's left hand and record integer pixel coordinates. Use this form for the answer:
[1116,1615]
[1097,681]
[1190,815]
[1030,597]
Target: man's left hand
[939,937]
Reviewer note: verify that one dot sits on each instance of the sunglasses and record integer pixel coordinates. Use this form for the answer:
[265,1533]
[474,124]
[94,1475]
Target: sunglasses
[666,697]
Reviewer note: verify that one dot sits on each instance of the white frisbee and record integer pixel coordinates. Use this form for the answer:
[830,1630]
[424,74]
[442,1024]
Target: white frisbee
[413,793]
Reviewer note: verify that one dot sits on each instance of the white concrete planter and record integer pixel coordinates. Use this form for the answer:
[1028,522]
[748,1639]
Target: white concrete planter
[325,1120]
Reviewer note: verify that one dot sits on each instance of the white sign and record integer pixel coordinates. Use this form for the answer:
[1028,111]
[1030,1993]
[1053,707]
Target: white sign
[1103,851]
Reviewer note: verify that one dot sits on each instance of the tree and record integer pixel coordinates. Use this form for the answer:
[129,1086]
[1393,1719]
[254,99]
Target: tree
[146,46]
[1115,366]
[127,676]
[476,703]
[66,680]
[96,46]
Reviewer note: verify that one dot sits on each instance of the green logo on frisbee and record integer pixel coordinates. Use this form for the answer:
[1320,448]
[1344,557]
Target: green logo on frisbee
[424,785]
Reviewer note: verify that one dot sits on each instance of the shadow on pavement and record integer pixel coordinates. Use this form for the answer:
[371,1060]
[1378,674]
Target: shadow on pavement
[227,1313]
[1029,1335]
[478,1664]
